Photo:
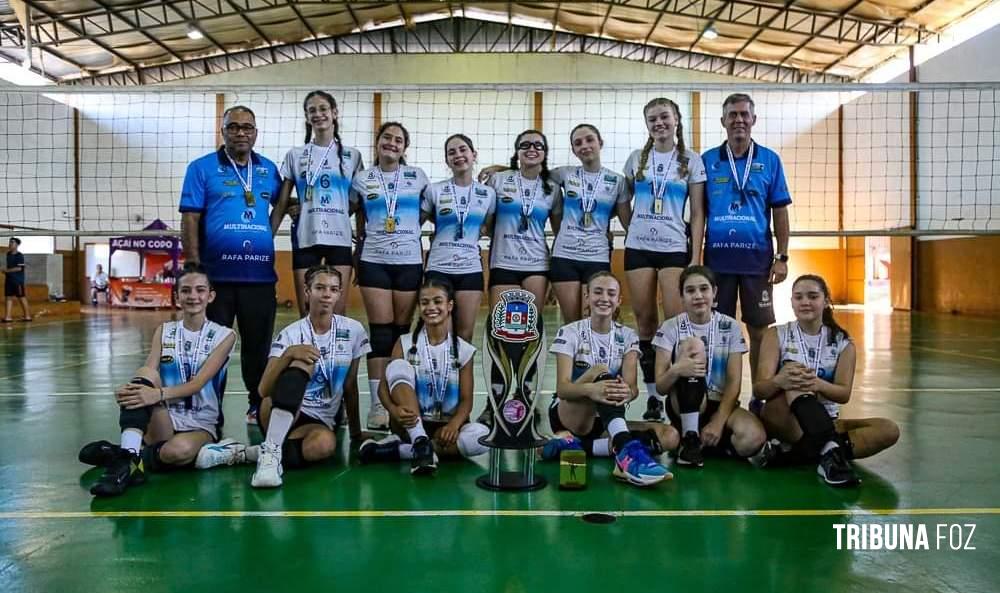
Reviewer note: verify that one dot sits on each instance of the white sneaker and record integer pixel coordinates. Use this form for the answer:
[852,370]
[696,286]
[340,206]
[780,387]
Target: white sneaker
[268,474]
[225,452]
[378,417]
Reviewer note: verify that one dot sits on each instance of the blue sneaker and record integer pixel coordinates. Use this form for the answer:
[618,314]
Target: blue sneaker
[554,447]
[634,465]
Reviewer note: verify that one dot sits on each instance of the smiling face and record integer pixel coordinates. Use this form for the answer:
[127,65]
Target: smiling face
[531,149]
[391,145]
[459,156]
[604,296]
[435,306]
[586,144]
[194,293]
[808,300]
[239,132]
[661,122]
[698,295]
[738,119]
[320,114]
[323,292]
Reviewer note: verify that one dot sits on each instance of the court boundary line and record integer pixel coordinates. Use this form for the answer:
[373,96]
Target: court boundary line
[493,513]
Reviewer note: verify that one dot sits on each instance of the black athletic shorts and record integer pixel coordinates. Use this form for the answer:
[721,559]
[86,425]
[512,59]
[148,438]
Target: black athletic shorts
[725,446]
[596,431]
[402,277]
[637,259]
[12,288]
[310,256]
[502,276]
[756,297]
[472,282]
[562,269]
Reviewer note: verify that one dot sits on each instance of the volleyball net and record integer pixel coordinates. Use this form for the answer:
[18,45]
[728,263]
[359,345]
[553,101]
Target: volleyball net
[860,159]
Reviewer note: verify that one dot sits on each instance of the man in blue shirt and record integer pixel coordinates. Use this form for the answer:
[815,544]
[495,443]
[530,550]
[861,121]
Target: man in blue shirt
[225,205]
[13,286]
[745,188]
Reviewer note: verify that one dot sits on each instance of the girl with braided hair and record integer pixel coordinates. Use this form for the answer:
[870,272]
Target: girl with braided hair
[664,176]
[320,171]
[428,389]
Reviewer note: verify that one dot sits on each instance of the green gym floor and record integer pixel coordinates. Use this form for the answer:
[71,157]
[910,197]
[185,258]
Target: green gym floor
[347,528]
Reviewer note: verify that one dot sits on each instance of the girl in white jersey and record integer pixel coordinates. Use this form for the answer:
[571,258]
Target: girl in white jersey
[171,410]
[596,368]
[312,371]
[321,172]
[663,177]
[806,373]
[386,199]
[461,208]
[428,390]
[526,199]
[699,363]
[592,195]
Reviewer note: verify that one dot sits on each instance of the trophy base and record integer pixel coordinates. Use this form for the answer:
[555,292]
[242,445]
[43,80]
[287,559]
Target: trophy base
[499,480]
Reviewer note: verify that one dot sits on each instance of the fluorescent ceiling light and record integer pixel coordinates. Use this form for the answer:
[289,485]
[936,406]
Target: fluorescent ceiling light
[194,33]
[710,33]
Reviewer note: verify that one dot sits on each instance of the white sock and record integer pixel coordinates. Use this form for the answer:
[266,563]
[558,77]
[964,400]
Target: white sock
[253,453]
[617,426]
[651,391]
[829,445]
[689,422]
[373,391]
[416,431]
[602,448]
[405,451]
[131,440]
[277,429]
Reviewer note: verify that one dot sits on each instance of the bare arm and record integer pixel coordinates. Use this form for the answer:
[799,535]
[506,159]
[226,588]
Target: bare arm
[843,381]
[190,222]
[278,212]
[765,387]
[781,228]
[696,193]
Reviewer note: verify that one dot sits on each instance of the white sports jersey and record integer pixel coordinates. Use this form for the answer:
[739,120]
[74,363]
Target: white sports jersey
[396,242]
[722,336]
[344,343]
[323,193]
[182,353]
[437,378]
[458,214]
[582,237]
[662,231]
[515,247]
[587,347]
[815,352]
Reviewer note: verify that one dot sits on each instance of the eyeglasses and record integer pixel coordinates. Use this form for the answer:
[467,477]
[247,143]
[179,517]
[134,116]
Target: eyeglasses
[234,128]
[526,145]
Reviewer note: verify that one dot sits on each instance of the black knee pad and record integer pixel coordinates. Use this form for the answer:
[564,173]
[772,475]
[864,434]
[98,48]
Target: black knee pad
[383,338]
[400,330]
[844,441]
[813,419]
[289,389]
[291,454]
[608,412]
[137,419]
[647,361]
[690,392]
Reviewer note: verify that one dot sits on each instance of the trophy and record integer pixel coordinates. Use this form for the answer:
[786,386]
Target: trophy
[514,346]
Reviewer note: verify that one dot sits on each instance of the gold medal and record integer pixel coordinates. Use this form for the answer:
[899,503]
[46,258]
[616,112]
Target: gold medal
[588,219]
[309,193]
[248,197]
[658,206]
[390,225]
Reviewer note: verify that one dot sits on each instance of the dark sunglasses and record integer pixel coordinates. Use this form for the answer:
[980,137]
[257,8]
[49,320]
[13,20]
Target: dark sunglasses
[526,145]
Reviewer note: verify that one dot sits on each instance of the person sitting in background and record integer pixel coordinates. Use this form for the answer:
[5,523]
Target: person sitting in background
[99,283]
